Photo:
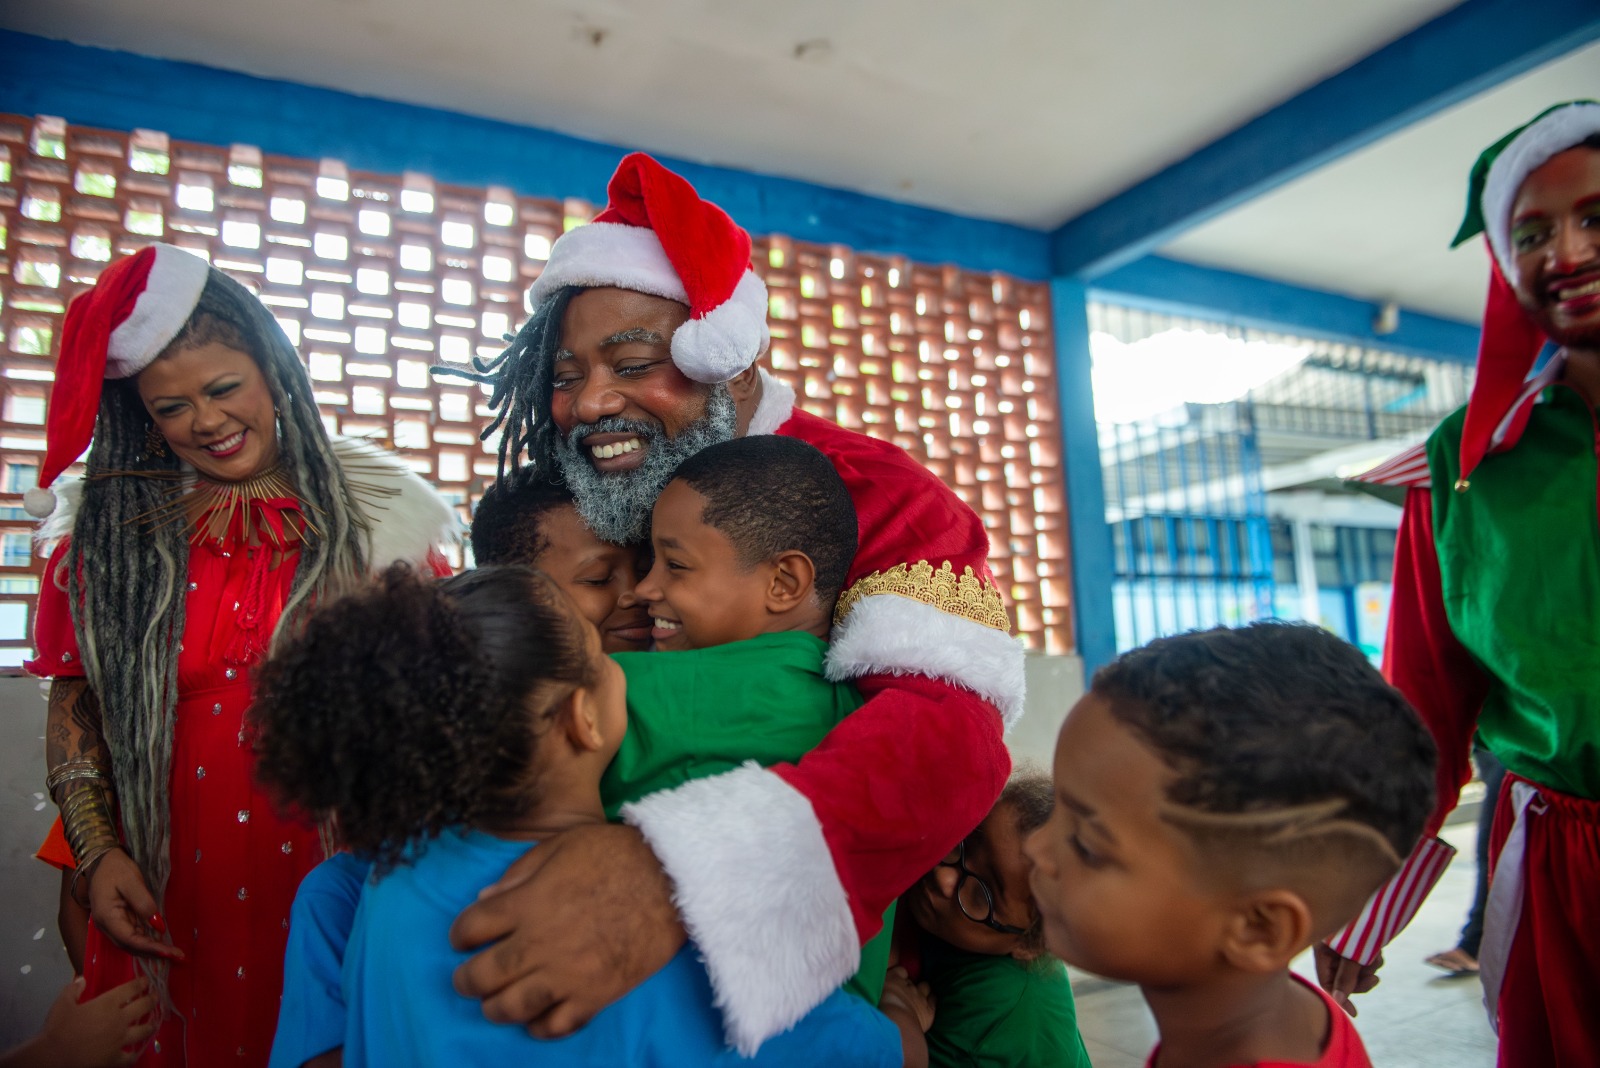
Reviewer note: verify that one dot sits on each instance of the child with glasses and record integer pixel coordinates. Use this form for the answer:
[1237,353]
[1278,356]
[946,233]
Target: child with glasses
[970,937]
[449,728]
[1226,799]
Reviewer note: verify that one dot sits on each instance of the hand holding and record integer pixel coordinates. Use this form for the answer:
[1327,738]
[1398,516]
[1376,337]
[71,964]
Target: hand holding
[1342,977]
[574,925]
[916,999]
[121,905]
[104,1031]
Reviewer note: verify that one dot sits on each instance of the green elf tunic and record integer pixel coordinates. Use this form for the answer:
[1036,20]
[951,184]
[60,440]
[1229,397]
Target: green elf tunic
[1519,567]
[1494,629]
[700,712]
[999,1012]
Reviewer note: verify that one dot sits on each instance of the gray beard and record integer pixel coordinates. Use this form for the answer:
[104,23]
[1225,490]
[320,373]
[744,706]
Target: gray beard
[617,506]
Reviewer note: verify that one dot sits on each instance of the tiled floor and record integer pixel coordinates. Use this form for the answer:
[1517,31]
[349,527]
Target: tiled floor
[1416,1018]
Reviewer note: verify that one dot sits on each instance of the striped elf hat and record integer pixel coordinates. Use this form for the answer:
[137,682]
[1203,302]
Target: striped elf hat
[657,236]
[114,330]
[1511,340]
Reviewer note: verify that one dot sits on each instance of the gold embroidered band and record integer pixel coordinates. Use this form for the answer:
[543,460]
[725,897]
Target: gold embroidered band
[965,596]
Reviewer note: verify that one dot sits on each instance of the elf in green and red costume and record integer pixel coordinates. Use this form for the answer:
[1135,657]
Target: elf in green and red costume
[1495,625]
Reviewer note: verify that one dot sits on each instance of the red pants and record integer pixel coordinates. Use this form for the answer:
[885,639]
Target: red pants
[1550,997]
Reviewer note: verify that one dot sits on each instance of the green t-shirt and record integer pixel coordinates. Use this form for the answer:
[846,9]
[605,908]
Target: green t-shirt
[1519,563]
[999,1012]
[700,712]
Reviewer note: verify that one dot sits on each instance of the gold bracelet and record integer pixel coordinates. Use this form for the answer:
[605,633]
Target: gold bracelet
[73,771]
[87,820]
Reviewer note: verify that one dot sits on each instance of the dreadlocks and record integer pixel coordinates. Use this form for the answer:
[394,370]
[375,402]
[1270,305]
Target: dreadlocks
[125,576]
[520,380]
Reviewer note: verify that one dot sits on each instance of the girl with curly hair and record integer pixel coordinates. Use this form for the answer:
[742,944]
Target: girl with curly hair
[500,711]
[215,510]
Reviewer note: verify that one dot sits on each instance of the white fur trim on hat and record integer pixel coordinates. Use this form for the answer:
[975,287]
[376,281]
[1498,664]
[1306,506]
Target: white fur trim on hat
[728,338]
[774,408]
[170,294]
[756,887]
[713,348]
[1533,148]
[890,634]
[608,254]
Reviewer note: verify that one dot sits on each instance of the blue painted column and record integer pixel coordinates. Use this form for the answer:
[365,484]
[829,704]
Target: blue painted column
[1094,627]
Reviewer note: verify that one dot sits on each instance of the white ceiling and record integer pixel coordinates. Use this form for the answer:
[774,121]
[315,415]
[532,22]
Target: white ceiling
[1377,224]
[1028,111]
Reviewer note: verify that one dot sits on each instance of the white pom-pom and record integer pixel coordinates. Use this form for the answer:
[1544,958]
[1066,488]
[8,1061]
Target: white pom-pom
[39,502]
[728,338]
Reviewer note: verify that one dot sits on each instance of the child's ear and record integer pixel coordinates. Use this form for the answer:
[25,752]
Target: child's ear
[579,716]
[1266,929]
[794,578]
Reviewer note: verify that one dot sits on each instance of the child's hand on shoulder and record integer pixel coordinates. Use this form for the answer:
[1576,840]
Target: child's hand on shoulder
[103,1031]
[913,999]
[910,1006]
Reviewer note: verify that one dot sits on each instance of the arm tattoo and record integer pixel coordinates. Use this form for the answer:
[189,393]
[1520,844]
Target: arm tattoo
[73,729]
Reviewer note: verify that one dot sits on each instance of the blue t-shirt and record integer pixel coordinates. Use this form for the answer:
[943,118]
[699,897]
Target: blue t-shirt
[402,1009]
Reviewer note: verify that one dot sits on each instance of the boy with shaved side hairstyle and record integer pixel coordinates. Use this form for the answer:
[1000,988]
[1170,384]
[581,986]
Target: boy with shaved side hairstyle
[1224,799]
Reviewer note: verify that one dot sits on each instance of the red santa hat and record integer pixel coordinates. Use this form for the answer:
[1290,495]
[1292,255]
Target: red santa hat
[1511,340]
[657,236]
[114,330]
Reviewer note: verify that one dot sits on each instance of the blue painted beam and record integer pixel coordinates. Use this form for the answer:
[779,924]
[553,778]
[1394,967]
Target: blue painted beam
[1466,50]
[1186,289]
[1093,624]
[121,91]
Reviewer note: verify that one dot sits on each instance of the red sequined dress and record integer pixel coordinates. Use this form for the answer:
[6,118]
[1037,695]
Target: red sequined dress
[236,862]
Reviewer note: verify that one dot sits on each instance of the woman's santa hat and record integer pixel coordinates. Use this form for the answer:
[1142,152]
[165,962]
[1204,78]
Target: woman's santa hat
[1511,340]
[114,330]
[657,236]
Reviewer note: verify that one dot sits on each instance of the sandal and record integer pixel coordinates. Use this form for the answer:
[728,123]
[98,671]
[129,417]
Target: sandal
[1454,962]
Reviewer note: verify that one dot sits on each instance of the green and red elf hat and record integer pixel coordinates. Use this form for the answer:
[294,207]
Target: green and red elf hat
[657,236]
[1511,340]
[114,330]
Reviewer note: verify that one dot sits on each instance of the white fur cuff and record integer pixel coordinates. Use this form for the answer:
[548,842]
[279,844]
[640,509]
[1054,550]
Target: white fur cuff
[890,634]
[758,893]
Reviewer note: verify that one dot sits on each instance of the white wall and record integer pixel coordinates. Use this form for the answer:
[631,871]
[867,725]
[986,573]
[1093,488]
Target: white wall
[1054,684]
[33,966]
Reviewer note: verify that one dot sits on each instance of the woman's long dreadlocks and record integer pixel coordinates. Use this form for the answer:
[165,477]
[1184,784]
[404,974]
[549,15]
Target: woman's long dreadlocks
[125,576]
[521,382]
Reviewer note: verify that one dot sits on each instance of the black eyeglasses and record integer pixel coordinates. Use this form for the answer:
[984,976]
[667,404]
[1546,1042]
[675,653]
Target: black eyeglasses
[973,895]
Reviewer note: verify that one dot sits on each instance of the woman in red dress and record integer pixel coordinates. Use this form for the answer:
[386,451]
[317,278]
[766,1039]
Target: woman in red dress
[215,508]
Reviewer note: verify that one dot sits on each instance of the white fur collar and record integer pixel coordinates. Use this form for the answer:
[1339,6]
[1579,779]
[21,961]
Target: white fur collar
[775,407]
[406,514]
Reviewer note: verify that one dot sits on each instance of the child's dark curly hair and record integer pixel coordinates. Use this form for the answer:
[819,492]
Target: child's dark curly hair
[416,705]
[507,524]
[1277,716]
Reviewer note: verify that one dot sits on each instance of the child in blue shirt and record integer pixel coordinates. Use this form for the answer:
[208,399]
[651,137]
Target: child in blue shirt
[453,726]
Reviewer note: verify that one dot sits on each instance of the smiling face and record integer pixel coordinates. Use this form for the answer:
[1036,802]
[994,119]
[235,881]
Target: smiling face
[626,416]
[213,405]
[599,578]
[698,592]
[615,362]
[1555,243]
[1119,888]
[994,854]
[607,692]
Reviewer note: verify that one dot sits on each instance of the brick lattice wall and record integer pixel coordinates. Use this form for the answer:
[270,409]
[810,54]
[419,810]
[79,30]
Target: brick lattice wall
[376,277]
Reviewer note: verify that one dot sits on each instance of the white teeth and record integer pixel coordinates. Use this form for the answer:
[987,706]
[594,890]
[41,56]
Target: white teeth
[665,624]
[226,443]
[621,448]
[1588,290]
